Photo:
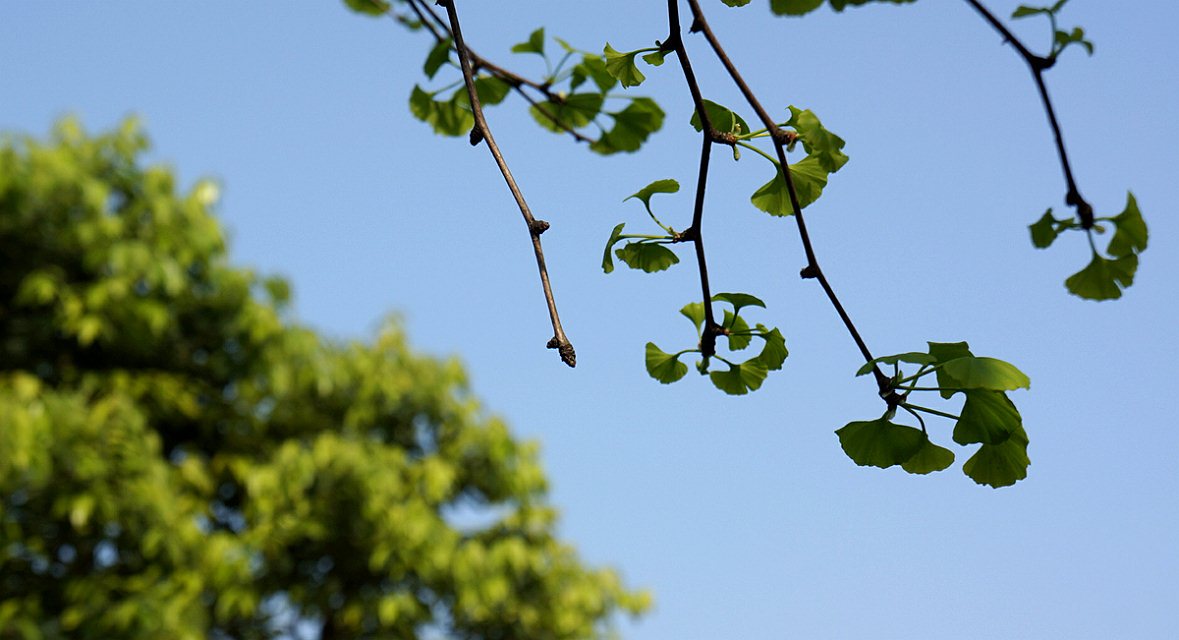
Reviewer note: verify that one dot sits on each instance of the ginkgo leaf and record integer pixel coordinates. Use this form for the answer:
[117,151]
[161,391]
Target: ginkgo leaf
[879,443]
[987,417]
[647,256]
[929,458]
[1103,279]
[740,379]
[664,367]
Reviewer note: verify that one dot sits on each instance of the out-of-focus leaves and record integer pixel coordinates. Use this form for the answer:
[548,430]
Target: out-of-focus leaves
[175,452]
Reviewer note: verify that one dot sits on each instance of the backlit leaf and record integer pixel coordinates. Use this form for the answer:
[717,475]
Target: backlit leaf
[648,256]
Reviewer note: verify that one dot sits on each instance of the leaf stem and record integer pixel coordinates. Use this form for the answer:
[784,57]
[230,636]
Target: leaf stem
[535,227]
[914,407]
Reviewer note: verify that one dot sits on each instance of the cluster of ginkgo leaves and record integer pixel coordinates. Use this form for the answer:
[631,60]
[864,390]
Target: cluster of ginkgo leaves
[987,418]
[572,96]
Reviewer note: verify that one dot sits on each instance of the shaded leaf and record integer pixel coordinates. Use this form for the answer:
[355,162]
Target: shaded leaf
[1000,465]
[988,417]
[648,256]
[929,458]
[879,443]
[945,352]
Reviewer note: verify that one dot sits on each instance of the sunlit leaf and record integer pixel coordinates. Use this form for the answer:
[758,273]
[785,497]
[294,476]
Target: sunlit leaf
[664,367]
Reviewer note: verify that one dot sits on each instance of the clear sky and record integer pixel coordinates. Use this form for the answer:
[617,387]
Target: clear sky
[741,514]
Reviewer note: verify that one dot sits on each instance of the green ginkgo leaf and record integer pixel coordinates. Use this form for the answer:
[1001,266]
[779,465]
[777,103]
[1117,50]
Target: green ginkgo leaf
[826,147]
[721,118]
[739,335]
[929,458]
[945,352]
[622,66]
[1131,236]
[880,443]
[647,256]
[534,43]
[970,372]
[1103,279]
[607,255]
[664,367]
[666,185]
[774,353]
[1000,465]
[987,417]
[740,379]
[808,177]
[1044,231]
[632,126]
[694,311]
[739,300]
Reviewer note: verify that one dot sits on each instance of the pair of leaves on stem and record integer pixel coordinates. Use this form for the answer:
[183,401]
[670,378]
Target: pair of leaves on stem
[1061,39]
[579,104]
[1103,278]
[824,156]
[739,378]
[988,417]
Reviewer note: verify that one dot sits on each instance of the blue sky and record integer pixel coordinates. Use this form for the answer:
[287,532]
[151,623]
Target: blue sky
[741,514]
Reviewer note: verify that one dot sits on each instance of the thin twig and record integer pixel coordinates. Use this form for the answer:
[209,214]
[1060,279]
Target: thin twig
[675,43]
[535,227]
[779,138]
[1038,65]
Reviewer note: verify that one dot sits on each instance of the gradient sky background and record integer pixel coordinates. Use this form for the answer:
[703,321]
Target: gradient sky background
[741,514]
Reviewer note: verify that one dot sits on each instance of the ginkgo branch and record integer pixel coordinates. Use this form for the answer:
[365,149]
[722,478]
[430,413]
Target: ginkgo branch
[1038,65]
[779,137]
[675,42]
[535,227]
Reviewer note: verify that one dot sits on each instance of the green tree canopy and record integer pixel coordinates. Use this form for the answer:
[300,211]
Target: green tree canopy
[179,459]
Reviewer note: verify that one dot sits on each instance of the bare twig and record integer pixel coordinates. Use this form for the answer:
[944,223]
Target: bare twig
[535,227]
[779,138]
[1038,65]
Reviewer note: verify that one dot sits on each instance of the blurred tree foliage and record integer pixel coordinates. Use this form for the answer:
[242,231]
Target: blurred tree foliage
[179,460]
